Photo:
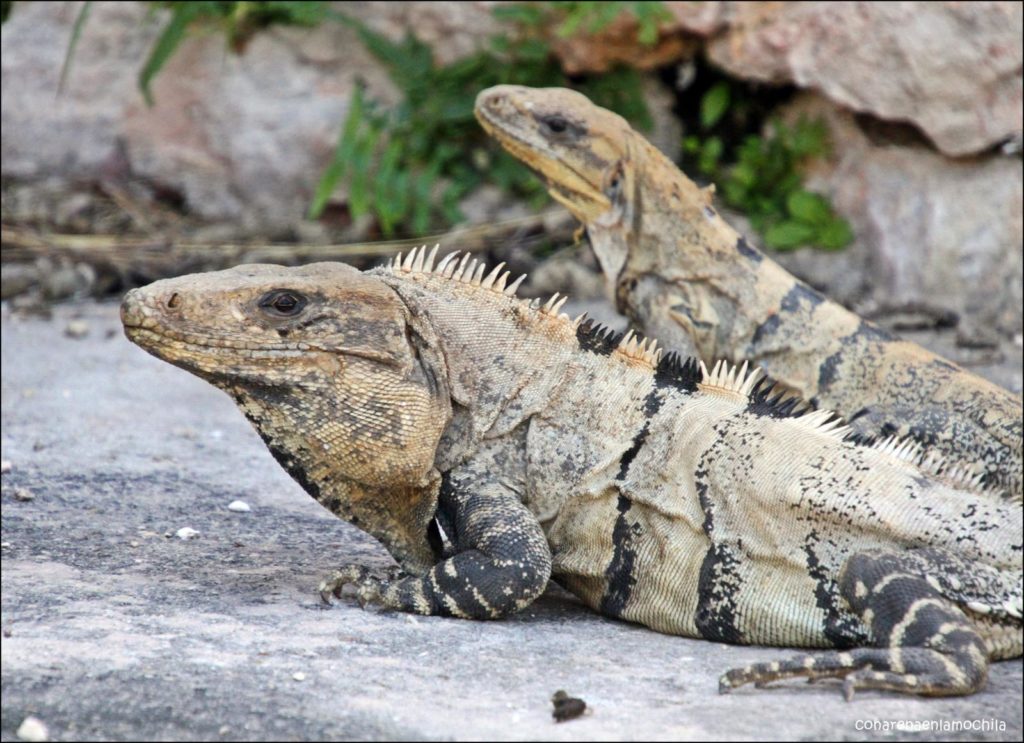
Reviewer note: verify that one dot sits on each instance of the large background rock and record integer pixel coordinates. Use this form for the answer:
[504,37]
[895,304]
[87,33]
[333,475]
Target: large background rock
[237,137]
[942,233]
[951,68]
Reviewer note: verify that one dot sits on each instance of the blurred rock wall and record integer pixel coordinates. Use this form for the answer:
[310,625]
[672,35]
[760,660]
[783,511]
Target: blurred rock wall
[937,213]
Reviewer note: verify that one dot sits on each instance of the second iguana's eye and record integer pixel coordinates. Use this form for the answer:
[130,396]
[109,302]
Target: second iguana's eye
[283,303]
[560,129]
[555,124]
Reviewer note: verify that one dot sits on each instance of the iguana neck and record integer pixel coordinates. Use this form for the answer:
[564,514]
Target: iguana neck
[670,251]
[302,433]
[502,358]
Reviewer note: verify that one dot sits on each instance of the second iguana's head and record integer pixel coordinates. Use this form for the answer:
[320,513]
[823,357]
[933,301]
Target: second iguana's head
[581,150]
[326,364]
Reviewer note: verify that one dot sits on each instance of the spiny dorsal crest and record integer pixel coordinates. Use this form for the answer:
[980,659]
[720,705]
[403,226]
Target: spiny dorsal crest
[470,271]
[645,349]
[465,270]
[748,387]
[935,464]
[601,339]
[728,378]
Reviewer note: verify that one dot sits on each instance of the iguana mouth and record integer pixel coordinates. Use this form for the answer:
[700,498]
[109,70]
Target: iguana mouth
[148,338]
[155,342]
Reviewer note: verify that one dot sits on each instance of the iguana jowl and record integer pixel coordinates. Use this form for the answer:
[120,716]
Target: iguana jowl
[492,443]
[685,277]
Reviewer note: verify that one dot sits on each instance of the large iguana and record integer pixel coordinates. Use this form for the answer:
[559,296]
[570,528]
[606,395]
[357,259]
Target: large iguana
[491,443]
[685,277]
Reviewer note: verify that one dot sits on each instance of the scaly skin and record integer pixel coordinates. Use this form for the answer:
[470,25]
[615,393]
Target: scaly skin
[492,443]
[685,277]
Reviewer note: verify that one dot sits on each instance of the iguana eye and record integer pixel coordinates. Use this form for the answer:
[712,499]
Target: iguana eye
[555,124]
[283,302]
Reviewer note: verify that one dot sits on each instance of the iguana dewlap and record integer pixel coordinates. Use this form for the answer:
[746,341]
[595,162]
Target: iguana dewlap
[685,277]
[491,443]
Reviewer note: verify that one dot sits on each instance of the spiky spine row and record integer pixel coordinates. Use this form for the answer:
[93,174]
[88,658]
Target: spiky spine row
[723,378]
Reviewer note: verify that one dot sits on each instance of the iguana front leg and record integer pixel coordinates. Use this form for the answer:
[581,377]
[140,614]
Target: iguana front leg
[925,644]
[501,563]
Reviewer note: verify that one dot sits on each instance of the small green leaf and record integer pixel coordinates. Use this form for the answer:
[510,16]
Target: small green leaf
[525,13]
[788,235]
[182,15]
[835,235]
[335,171]
[807,138]
[714,104]
[691,144]
[808,207]
[710,152]
[76,32]
[744,174]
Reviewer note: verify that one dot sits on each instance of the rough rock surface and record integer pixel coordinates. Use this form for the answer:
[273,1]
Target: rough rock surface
[114,628]
[953,69]
[930,230]
[239,137]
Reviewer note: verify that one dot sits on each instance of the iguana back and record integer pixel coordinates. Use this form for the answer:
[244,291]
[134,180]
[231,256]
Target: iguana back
[684,276]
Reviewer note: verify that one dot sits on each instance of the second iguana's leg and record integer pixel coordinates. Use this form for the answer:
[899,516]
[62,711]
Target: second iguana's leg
[501,563]
[924,643]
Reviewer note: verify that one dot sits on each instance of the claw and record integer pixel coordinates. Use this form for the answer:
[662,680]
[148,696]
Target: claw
[368,586]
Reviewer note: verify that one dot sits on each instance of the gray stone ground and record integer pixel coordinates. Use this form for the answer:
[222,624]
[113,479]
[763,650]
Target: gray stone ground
[113,629]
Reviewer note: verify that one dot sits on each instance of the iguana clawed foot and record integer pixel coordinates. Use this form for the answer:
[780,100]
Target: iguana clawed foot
[369,583]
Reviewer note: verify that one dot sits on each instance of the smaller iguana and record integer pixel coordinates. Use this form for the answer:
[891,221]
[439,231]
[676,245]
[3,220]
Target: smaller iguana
[685,277]
[492,443]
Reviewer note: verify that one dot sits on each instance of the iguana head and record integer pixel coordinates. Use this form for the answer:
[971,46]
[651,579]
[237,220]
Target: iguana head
[325,363]
[578,148]
[593,162]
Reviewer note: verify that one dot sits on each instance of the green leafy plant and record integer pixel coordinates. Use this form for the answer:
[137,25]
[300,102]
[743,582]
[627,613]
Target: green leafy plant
[761,176]
[594,17]
[409,166]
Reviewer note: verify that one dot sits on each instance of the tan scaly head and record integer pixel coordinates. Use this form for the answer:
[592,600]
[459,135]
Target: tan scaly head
[584,153]
[326,364]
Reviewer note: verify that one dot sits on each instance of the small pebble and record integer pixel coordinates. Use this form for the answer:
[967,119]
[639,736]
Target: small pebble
[239,506]
[566,707]
[299,676]
[24,494]
[224,730]
[33,729]
[5,466]
[76,329]
[186,533]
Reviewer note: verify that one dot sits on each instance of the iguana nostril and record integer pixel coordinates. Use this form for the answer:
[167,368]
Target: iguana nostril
[173,301]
